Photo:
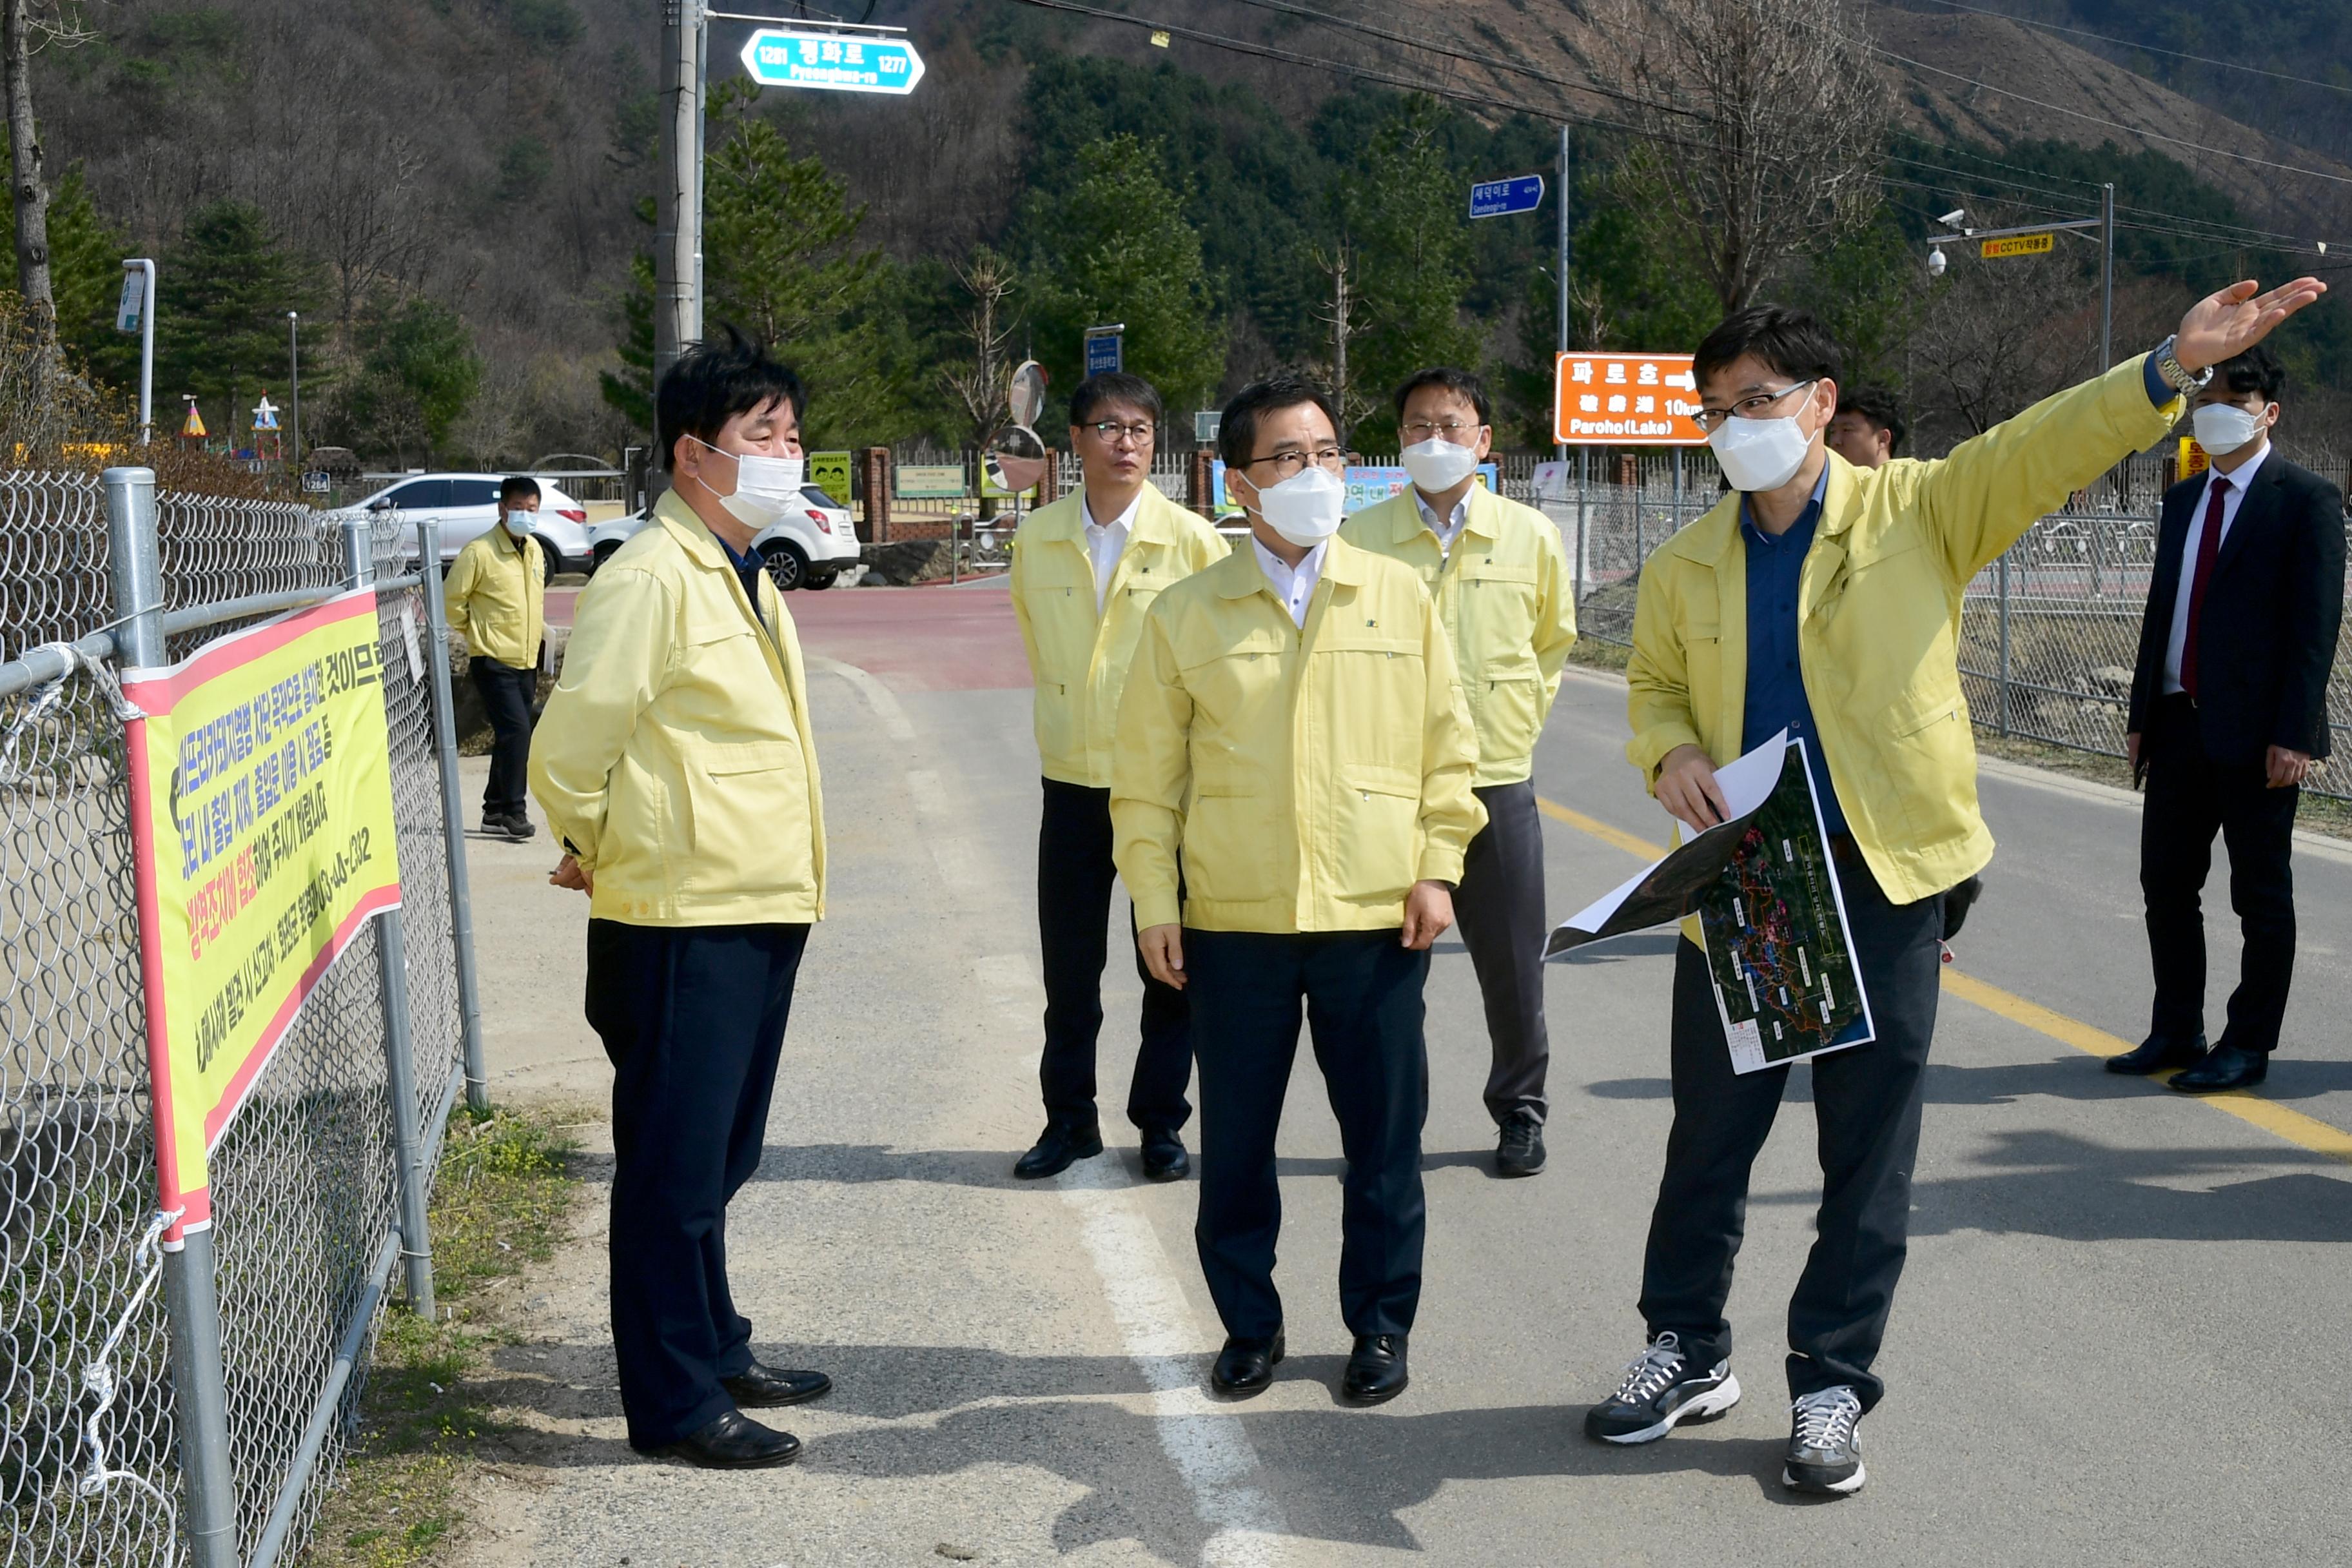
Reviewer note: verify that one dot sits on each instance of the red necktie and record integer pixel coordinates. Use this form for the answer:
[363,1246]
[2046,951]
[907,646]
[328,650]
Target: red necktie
[2208,545]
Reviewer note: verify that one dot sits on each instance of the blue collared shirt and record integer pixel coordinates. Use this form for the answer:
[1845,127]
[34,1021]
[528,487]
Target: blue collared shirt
[1775,697]
[748,568]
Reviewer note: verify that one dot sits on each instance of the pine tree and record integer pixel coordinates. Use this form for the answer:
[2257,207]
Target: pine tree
[220,332]
[1403,217]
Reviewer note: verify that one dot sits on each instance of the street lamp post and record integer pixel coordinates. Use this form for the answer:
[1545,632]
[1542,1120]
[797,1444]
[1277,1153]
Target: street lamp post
[294,373]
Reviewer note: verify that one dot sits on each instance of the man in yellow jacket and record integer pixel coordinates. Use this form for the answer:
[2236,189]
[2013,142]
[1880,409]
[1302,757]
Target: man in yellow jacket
[1294,736]
[1824,599]
[1085,569]
[1503,588]
[676,765]
[497,595]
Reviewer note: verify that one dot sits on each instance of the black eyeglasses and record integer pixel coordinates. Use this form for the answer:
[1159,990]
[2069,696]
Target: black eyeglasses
[1711,419]
[1110,431]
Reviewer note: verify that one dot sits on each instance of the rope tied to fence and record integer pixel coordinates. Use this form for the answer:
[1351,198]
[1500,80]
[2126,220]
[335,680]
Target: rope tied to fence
[45,698]
[97,1377]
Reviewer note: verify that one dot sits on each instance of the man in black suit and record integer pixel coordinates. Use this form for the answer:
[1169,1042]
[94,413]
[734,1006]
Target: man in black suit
[2229,709]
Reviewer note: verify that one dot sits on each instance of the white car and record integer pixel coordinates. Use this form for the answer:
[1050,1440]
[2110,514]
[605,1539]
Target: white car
[814,545]
[467,506]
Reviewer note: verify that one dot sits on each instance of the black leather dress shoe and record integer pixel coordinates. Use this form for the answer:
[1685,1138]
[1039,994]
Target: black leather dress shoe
[1520,1151]
[1245,1366]
[2156,1053]
[1376,1371]
[1057,1148]
[736,1442]
[2224,1067]
[1164,1159]
[765,1387]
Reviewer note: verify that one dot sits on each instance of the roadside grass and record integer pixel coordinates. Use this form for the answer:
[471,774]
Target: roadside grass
[499,1202]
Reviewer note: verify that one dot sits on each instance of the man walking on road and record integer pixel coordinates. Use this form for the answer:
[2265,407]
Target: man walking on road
[1503,590]
[1824,599]
[2229,710]
[1085,569]
[1293,737]
[497,595]
[676,765]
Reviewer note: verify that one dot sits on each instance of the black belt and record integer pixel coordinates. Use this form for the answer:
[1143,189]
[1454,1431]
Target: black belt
[1841,845]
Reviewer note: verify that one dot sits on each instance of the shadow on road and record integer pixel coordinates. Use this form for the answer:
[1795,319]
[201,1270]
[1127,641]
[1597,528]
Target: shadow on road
[855,1163]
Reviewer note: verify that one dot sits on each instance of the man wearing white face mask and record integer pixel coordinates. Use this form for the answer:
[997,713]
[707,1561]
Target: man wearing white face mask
[497,595]
[1501,584]
[1825,600]
[2229,710]
[676,765]
[1293,734]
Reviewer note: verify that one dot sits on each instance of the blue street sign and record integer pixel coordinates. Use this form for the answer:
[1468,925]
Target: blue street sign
[1500,198]
[1105,352]
[837,62]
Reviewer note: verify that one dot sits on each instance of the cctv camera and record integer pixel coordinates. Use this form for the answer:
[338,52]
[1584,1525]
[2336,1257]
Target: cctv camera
[1936,263]
[1952,219]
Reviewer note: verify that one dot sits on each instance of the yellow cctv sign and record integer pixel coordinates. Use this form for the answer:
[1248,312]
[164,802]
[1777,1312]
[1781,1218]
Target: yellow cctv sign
[829,471]
[262,839]
[2017,245]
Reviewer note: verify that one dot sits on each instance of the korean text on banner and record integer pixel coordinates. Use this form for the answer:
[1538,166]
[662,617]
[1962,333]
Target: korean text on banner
[262,833]
[1625,400]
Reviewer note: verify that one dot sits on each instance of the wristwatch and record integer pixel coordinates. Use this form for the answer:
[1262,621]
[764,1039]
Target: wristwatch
[2175,374]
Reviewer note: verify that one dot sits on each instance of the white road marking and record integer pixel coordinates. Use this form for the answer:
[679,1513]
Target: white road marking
[878,697]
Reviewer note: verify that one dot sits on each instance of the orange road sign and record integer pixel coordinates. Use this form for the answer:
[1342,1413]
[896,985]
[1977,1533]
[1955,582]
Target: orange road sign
[1625,400]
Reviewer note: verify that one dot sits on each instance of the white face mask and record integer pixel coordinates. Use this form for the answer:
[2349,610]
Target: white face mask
[519,523]
[2223,427]
[765,488]
[1760,453]
[1437,464]
[1305,508]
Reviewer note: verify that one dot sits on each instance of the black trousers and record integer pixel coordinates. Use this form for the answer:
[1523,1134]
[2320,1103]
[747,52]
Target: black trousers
[1074,881]
[692,1017]
[506,694]
[1867,1111]
[1362,992]
[1500,907]
[2189,798]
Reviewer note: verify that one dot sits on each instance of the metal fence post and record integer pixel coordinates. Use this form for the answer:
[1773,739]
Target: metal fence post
[399,1059]
[199,1381]
[2004,642]
[453,819]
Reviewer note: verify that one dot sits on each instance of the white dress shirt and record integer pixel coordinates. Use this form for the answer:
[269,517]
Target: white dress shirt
[1106,541]
[2230,497]
[1447,528]
[1294,585]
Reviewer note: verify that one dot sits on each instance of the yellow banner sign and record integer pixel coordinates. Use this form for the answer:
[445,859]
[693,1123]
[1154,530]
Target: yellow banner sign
[262,831]
[2016,245]
[829,471]
[2194,459]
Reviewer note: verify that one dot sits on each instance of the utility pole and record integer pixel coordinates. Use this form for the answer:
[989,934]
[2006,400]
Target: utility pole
[678,232]
[2107,276]
[294,399]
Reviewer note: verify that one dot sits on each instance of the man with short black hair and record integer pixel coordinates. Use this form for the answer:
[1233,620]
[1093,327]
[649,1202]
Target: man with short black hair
[1868,430]
[1502,586]
[496,594]
[677,766]
[1293,737]
[1085,569]
[1824,599]
[2229,710]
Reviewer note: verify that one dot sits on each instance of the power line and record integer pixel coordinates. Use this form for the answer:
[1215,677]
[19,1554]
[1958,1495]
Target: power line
[2146,48]
[2117,124]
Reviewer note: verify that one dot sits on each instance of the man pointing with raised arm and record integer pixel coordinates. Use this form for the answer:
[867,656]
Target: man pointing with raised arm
[1824,599]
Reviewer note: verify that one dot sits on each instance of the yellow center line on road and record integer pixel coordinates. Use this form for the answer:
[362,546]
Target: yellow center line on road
[2306,1132]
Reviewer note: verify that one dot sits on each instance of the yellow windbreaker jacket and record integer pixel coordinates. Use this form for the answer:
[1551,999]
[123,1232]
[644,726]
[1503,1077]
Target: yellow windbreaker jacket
[1878,611]
[675,758]
[1508,601]
[1077,655]
[496,594]
[1308,778]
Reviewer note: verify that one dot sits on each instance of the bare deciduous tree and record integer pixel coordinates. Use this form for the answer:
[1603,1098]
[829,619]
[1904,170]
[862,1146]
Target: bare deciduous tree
[979,385]
[27,25]
[1761,122]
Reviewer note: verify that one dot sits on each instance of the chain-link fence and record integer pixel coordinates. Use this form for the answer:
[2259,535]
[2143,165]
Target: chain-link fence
[197,1436]
[2048,632]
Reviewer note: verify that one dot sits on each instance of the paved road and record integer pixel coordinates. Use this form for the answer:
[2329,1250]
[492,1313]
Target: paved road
[2118,1341]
